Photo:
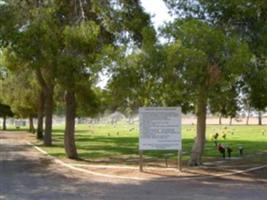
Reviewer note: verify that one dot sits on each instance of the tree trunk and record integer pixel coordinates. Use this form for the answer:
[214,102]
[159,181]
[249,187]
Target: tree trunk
[48,115]
[248,116]
[31,125]
[220,119]
[48,88]
[40,116]
[69,138]
[260,118]
[199,143]
[4,123]
[230,121]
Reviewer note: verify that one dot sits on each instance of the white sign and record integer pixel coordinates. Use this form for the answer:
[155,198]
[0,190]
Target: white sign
[19,123]
[160,128]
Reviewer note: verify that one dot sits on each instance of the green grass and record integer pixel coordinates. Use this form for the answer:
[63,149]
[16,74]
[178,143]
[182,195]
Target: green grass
[120,142]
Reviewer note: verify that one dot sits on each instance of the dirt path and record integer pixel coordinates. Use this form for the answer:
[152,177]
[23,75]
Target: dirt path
[27,174]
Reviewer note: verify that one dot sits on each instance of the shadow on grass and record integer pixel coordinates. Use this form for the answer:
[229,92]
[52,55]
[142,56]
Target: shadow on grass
[100,147]
[76,131]
[18,130]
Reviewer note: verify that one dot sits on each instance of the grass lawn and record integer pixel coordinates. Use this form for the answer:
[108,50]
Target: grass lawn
[119,143]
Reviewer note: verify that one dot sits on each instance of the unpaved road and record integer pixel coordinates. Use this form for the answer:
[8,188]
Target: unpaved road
[27,174]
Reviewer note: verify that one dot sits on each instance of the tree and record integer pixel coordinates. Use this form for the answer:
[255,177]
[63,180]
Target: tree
[136,79]
[90,33]
[202,58]
[31,37]
[68,42]
[40,114]
[132,85]
[20,92]
[247,20]
[254,90]
[17,89]
[5,111]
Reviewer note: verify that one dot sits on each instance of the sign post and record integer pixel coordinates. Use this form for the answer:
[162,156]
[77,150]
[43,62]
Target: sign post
[141,161]
[160,129]
[179,161]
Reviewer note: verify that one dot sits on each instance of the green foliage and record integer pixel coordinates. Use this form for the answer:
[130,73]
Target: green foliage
[5,111]
[7,23]
[227,104]
[201,56]
[68,43]
[133,85]
[20,91]
[84,35]
[247,20]
[18,85]
[89,101]
[256,88]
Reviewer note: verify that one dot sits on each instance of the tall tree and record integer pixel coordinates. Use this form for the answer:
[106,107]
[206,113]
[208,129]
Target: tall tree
[91,30]
[202,58]
[31,37]
[245,18]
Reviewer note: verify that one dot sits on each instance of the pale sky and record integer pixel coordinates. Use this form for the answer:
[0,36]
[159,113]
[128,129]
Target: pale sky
[158,9]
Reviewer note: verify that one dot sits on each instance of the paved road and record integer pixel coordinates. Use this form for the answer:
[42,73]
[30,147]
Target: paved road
[26,174]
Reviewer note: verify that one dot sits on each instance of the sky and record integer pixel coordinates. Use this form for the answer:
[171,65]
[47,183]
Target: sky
[158,10]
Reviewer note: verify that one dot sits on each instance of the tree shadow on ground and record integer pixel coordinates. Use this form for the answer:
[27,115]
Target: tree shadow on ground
[35,179]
